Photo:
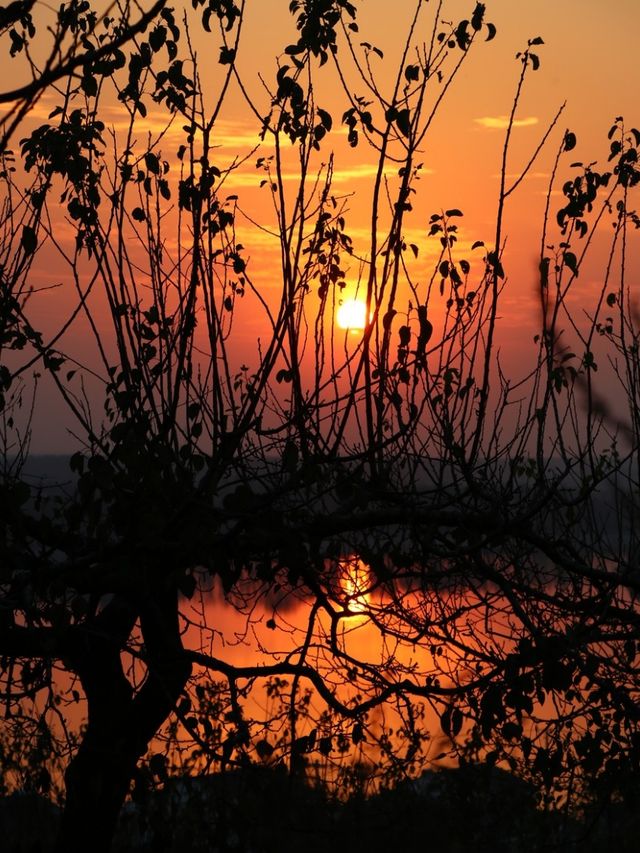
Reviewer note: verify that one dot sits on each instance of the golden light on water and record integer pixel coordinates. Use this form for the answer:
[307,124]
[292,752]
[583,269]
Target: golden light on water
[352,315]
[354,583]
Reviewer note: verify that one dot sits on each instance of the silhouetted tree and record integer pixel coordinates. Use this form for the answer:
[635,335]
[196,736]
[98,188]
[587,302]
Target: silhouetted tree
[475,528]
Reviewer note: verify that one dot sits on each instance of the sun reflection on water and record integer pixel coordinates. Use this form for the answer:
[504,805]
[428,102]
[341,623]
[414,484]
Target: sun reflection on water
[354,583]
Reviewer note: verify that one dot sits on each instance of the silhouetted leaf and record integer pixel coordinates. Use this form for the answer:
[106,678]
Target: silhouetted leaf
[157,37]
[227,55]
[478,16]
[388,318]
[325,118]
[152,163]
[412,72]
[403,122]
[572,262]
[264,749]
[29,240]
[462,36]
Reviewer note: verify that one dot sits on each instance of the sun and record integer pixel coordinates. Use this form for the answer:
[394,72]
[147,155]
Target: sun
[352,314]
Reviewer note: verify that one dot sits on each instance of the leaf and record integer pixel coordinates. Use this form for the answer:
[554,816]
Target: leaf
[491,32]
[325,118]
[264,749]
[453,212]
[478,16]
[89,85]
[544,271]
[387,320]
[152,163]
[445,721]
[157,37]
[325,745]
[29,240]
[536,40]
[572,262]
[535,61]
[569,141]
[138,214]
[403,121]
[412,72]
[227,55]
[462,36]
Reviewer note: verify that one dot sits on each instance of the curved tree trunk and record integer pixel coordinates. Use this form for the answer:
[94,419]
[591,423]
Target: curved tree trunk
[120,723]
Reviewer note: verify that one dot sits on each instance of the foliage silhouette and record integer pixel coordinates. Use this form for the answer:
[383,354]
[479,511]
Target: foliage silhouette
[476,529]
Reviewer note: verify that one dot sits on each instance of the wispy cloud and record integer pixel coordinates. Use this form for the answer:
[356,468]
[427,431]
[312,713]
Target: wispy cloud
[502,122]
[364,171]
[514,176]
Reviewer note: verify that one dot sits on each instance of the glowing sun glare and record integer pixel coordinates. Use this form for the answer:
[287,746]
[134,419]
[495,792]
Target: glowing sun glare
[354,583]
[352,315]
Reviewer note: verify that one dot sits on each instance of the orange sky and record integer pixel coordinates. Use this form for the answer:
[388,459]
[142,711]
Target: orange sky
[589,59]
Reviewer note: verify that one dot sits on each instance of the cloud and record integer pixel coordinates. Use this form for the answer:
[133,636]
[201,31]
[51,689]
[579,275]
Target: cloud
[502,122]
[248,177]
[514,176]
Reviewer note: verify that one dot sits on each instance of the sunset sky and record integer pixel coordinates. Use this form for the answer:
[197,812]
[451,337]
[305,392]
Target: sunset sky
[589,58]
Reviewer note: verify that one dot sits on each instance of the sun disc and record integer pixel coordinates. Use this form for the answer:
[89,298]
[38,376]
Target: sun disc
[352,315]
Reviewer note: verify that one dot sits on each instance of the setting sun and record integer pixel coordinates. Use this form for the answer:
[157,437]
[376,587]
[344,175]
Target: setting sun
[352,315]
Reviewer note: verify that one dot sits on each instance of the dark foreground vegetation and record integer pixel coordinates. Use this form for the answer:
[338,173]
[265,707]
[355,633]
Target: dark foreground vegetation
[284,543]
[261,810]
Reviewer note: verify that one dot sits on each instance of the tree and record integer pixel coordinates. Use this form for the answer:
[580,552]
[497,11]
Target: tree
[80,39]
[397,484]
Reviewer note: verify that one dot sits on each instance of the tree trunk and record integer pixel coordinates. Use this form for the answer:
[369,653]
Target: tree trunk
[121,724]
